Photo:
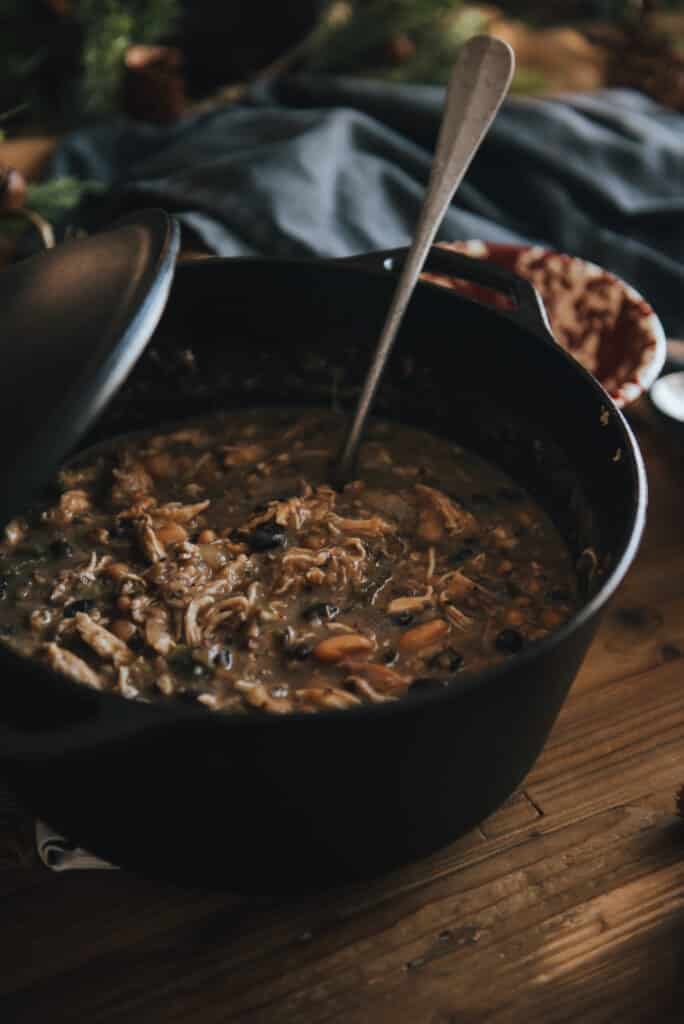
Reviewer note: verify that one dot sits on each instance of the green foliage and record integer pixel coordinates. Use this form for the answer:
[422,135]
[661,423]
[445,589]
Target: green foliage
[54,199]
[568,12]
[64,66]
[437,44]
[107,38]
[110,27]
[352,33]
[353,37]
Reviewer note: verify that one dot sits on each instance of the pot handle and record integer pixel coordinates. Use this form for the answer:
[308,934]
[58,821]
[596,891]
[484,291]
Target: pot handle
[51,716]
[528,310]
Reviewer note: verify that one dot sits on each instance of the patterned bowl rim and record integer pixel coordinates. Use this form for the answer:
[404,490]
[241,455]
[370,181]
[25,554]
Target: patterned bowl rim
[653,358]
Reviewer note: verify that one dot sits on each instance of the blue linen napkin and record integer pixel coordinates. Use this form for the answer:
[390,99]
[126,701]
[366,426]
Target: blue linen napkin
[319,166]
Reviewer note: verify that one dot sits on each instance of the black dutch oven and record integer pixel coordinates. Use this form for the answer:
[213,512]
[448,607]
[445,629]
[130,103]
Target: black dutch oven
[264,804]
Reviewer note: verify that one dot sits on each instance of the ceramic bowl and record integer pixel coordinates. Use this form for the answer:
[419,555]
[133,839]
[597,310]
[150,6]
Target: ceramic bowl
[602,321]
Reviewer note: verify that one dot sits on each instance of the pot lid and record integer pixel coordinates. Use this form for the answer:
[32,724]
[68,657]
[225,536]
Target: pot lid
[73,322]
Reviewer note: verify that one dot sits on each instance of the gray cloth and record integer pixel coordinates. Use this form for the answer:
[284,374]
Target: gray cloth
[329,166]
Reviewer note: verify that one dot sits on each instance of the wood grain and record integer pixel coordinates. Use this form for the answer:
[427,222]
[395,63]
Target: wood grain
[29,155]
[567,905]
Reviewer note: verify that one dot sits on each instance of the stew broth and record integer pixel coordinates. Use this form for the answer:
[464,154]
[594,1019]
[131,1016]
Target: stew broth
[214,563]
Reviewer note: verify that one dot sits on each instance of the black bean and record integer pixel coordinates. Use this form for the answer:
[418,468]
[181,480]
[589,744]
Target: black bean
[509,641]
[8,629]
[511,494]
[83,604]
[299,652]
[460,556]
[389,656]
[120,529]
[224,658]
[61,548]
[136,642]
[402,618]
[425,685]
[181,660]
[559,594]
[267,536]
[32,552]
[449,660]
[321,610]
[187,696]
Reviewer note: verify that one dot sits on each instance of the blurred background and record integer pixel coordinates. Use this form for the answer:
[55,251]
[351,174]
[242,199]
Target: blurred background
[66,63]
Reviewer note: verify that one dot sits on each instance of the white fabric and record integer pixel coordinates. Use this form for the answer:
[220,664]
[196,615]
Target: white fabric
[58,854]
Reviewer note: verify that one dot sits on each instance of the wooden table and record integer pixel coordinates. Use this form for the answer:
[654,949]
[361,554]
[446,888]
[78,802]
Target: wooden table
[565,905]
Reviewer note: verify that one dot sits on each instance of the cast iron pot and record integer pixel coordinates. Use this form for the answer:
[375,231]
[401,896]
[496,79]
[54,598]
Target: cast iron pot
[266,804]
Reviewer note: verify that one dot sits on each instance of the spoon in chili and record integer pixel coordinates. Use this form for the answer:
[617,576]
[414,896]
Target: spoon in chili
[478,84]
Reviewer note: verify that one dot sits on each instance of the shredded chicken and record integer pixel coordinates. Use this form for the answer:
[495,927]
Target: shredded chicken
[312,697]
[314,506]
[244,454]
[457,618]
[456,586]
[156,625]
[104,643]
[258,696]
[455,518]
[123,686]
[15,532]
[71,665]
[70,581]
[193,632]
[40,619]
[364,689]
[335,567]
[152,546]
[373,526]
[71,504]
[180,513]
[132,482]
[76,476]
[233,609]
